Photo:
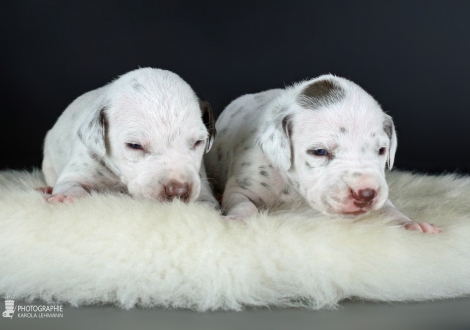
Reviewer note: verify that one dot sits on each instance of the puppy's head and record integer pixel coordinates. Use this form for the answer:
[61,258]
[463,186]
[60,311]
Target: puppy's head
[152,130]
[333,141]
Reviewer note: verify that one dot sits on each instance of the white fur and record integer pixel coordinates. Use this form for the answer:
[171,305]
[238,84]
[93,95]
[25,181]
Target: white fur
[88,149]
[259,134]
[128,252]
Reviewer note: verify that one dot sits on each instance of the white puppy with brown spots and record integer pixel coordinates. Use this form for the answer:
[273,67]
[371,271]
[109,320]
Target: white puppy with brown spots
[325,140]
[144,133]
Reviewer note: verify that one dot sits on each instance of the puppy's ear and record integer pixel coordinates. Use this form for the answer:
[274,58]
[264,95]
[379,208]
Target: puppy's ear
[92,132]
[209,122]
[389,128]
[275,142]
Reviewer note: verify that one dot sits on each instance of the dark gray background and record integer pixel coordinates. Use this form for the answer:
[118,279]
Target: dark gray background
[412,56]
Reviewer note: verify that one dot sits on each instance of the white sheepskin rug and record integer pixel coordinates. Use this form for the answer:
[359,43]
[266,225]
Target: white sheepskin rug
[127,252]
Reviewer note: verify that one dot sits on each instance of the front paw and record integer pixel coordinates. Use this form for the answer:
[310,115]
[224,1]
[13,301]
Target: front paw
[60,198]
[54,198]
[423,227]
[67,195]
[233,218]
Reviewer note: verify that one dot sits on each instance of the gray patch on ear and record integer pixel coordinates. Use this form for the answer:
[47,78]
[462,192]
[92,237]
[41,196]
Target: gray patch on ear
[93,132]
[388,127]
[104,124]
[321,93]
[209,121]
[287,128]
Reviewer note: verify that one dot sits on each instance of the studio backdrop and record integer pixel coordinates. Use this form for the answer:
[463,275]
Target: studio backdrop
[412,56]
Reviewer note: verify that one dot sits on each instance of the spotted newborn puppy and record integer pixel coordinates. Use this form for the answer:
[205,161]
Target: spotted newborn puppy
[325,140]
[144,133]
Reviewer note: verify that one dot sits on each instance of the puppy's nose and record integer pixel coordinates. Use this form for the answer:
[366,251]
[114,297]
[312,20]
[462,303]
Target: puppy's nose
[364,197]
[175,189]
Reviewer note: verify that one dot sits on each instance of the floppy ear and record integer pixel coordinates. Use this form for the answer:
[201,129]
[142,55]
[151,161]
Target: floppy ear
[275,143]
[389,128]
[209,122]
[92,132]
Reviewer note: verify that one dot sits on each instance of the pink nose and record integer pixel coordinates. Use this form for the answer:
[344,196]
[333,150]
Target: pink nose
[363,197]
[175,189]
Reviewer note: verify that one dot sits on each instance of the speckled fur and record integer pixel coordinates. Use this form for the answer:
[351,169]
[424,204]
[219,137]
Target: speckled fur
[87,149]
[278,129]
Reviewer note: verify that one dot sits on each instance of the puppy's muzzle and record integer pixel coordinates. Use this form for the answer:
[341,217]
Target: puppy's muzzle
[176,189]
[363,197]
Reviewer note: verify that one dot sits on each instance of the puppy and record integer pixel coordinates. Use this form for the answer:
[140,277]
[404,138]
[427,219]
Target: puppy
[324,140]
[144,133]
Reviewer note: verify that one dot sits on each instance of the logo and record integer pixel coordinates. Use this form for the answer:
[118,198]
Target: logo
[31,311]
[9,307]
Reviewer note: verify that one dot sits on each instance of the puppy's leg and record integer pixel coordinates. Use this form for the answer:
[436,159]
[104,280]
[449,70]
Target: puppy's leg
[237,201]
[404,221]
[206,195]
[50,174]
[67,191]
[76,179]
[48,169]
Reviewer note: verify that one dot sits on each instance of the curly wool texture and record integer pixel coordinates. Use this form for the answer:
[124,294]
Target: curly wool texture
[127,252]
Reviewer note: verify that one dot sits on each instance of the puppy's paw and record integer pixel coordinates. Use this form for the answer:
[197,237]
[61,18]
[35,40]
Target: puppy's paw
[66,193]
[423,227]
[233,217]
[60,198]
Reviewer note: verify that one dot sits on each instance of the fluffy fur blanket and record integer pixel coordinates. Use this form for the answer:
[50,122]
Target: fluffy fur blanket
[115,249]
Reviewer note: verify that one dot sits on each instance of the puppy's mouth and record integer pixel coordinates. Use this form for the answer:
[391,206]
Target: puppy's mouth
[356,213]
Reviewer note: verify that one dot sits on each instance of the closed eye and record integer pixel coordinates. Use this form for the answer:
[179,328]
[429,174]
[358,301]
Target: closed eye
[135,146]
[318,152]
[198,143]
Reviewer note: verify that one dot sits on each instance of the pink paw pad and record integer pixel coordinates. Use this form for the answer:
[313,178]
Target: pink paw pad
[233,218]
[60,198]
[423,227]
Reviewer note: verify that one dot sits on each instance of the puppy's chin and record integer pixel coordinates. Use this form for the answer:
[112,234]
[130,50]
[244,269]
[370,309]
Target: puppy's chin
[160,196]
[352,212]
[344,211]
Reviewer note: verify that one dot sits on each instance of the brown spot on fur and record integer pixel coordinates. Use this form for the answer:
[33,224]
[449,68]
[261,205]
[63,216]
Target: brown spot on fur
[320,93]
